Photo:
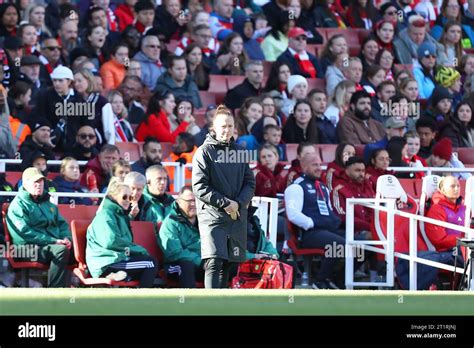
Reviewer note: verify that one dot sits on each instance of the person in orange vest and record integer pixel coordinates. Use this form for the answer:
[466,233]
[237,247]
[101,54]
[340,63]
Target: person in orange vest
[183,152]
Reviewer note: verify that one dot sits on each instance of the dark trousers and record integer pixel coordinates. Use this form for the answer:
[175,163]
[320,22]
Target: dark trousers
[58,257]
[144,274]
[322,239]
[216,273]
[186,272]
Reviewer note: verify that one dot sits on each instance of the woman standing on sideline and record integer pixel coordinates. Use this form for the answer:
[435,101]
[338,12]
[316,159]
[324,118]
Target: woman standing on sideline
[224,186]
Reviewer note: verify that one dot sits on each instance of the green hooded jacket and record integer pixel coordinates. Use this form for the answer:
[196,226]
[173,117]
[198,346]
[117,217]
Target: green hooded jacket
[179,239]
[35,222]
[155,210]
[263,243]
[110,239]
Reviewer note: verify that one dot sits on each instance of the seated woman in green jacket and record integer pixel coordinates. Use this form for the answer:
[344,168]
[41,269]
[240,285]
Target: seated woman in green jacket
[110,250]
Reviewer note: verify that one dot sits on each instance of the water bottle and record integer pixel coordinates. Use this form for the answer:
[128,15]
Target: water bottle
[304,280]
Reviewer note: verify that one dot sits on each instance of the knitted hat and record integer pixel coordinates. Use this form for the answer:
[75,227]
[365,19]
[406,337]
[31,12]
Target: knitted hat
[443,149]
[447,76]
[440,93]
[38,123]
[426,49]
[294,80]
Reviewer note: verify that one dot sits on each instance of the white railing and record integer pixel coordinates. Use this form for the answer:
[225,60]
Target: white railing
[388,243]
[267,211]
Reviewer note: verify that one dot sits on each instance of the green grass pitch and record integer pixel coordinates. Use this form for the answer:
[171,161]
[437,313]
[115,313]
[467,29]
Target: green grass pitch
[127,302]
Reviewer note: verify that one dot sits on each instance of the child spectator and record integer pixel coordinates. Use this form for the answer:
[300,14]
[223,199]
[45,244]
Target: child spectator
[68,181]
[272,135]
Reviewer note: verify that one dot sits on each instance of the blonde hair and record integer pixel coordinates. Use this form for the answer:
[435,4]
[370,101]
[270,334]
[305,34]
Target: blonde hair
[27,14]
[120,163]
[222,109]
[90,79]
[114,187]
[65,162]
[111,96]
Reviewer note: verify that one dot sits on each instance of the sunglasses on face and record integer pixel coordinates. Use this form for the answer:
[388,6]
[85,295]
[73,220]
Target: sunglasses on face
[85,136]
[126,197]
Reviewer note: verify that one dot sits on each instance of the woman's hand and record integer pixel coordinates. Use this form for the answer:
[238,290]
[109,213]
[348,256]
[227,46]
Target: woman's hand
[190,119]
[224,60]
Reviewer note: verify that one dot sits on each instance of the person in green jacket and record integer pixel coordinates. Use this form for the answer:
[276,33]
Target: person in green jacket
[180,241]
[110,251]
[258,246]
[136,181]
[157,204]
[33,220]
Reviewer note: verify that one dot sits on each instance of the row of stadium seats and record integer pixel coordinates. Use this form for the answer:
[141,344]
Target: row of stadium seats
[79,217]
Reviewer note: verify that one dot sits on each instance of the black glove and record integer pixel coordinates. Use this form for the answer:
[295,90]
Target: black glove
[181,160]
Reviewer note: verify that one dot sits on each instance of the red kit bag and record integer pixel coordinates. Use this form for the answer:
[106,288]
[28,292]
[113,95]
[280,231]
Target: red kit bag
[263,274]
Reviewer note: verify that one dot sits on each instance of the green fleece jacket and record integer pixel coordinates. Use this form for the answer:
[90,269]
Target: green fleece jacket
[110,239]
[179,239]
[155,208]
[35,221]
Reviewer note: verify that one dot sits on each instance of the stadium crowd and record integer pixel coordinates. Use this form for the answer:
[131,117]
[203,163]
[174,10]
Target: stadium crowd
[381,83]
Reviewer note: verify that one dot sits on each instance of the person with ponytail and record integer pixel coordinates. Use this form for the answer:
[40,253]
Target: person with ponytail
[223,185]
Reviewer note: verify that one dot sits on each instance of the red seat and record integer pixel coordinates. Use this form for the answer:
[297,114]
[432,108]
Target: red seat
[129,151]
[24,266]
[409,187]
[318,49]
[462,184]
[233,81]
[217,83]
[77,212]
[13,177]
[466,155]
[351,36]
[328,152]
[307,254]
[200,116]
[418,183]
[316,83]
[354,50]
[79,240]
[360,150]
[291,151]
[207,98]
[267,67]
[144,235]
[363,34]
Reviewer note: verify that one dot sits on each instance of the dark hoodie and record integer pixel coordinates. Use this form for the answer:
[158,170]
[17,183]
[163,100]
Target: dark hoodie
[251,46]
[29,146]
[62,185]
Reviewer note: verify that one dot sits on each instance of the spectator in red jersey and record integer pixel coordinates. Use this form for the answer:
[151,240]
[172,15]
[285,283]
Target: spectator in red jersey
[295,170]
[157,121]
[269,173]
[377,166]
[126,14]
[145,13]
[413,146]
[335,169]
[448,207]
[354,184]
[98,171]
[384,34]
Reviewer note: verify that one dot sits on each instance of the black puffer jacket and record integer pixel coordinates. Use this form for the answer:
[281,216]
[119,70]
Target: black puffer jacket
[218,177]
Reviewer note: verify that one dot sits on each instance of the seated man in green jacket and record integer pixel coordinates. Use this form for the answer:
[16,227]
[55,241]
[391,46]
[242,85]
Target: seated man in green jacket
[157,204]
[180,241]
[33,220]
